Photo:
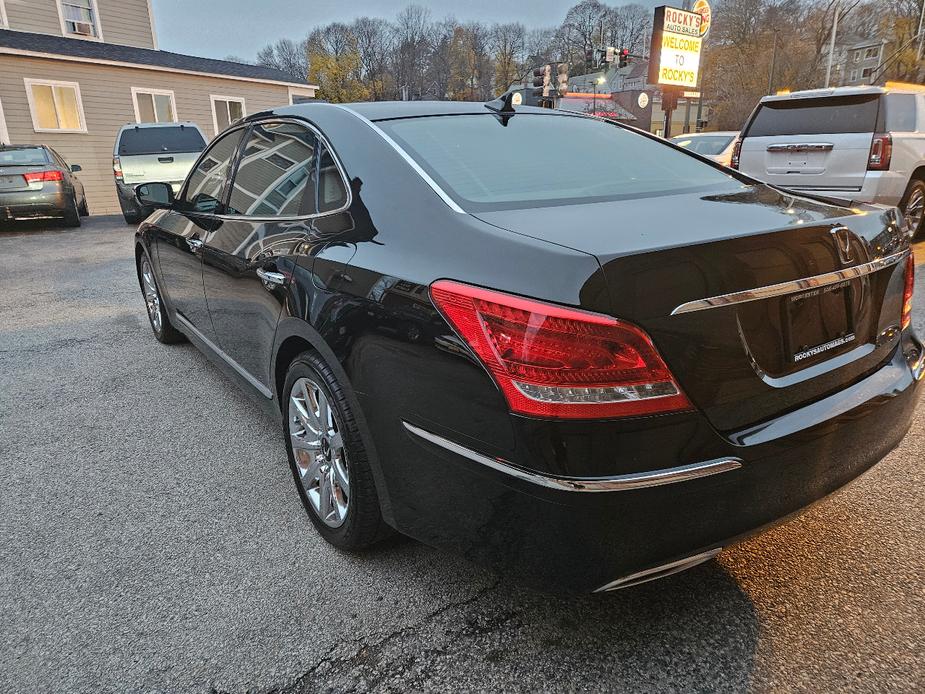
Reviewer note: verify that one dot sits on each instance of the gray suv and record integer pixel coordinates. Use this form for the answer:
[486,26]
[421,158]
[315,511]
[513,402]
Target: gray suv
[862,143]
[148,152]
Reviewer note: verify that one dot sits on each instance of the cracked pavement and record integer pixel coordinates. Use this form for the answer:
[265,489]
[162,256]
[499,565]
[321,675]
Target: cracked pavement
[151,540]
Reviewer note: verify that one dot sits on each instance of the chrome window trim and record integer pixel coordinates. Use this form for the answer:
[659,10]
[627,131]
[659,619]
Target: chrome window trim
[617,483]
[791,287]
[407,157]
[660,571]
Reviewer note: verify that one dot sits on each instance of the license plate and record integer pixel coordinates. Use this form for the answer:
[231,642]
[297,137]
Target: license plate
[12,182]
[819,320]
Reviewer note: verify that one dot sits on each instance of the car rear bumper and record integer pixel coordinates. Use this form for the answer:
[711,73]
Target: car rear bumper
[564,537]
[880,187]
[51,201]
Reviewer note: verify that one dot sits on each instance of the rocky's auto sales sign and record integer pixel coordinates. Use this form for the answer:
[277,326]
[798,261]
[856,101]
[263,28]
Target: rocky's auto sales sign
[674,57]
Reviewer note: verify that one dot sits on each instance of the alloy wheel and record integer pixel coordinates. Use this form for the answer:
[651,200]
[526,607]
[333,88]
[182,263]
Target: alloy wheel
[915,208]
[152,297]
[318,450]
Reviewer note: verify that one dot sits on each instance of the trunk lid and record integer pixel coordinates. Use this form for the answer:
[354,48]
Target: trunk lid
[746,362]
[818,143]
[12,177]
[167,167]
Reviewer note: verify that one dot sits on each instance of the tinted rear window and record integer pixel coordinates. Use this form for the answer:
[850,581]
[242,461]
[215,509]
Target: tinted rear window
[818,116]
[160,141]
[23,157]
[900,112]
[538,160]
[704,144]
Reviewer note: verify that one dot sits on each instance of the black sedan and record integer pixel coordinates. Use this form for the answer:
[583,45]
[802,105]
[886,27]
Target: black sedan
[36,183]
[555,344]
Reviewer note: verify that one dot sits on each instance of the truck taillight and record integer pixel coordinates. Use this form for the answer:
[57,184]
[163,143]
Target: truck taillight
[557,362]
[41,176]
[908,291]
[881,151]
[736,154]
[117,168]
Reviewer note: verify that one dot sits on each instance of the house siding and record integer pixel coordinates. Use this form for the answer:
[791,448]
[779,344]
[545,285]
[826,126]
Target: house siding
[38,16]
[125,22]
[106,93]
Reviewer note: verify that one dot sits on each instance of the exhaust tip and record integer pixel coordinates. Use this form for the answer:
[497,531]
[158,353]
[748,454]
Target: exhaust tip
[661,571]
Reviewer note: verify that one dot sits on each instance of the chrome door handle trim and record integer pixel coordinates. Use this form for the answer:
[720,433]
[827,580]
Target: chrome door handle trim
[268,277]
[194,244]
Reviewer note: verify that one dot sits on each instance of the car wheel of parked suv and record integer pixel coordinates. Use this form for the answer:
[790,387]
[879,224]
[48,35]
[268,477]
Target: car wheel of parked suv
[913,206]
[72,213]
[329,462]
[157,312]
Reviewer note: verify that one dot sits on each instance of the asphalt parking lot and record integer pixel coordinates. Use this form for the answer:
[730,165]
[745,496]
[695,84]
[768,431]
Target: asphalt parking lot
[151,540]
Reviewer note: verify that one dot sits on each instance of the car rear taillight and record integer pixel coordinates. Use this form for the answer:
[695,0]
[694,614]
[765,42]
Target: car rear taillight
[40,176]
[736,154]
[117,168]
[881,151]
[556,362]
[907,292]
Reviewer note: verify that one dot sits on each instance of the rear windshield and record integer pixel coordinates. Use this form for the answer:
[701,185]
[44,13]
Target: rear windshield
[703,144]
[538,160]
[170,140]
[815,116]
[23,156]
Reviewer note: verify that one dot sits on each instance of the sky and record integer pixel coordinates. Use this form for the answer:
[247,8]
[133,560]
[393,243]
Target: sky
[219,28]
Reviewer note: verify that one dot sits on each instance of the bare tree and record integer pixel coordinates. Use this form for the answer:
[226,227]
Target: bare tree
[285,55]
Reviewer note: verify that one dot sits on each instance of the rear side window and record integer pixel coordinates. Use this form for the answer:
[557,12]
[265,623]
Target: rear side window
[23,157]
[276,175]
[900,112]
[815,116]
[169,140]
[332,194]
[704,144]
[540,160]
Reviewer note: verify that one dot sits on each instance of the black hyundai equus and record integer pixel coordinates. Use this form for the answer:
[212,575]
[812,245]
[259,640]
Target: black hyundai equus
[557,345]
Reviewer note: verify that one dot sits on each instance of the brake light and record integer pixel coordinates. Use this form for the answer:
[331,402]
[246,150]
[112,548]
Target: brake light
[881,151]
[117,168]
[907,292]
[40,176]
[736,154]
[556,362]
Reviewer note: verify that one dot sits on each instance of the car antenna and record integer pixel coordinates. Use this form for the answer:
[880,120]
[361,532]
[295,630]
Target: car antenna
[503,106]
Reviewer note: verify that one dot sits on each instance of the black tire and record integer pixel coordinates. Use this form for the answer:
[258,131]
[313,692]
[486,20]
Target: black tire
[163,329]
[915,192]
[72,213]
[84,208]
[363,525]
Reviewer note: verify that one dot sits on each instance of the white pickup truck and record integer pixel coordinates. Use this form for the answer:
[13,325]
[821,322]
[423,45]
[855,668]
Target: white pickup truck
[861,143]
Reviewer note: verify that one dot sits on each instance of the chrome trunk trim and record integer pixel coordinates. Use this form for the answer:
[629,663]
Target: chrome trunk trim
[659,571]
[783,288]
[617,483]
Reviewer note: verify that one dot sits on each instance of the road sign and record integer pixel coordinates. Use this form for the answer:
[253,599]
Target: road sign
[674,56]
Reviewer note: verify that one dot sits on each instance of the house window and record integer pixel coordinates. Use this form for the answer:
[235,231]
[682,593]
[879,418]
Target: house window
[4,22]
[856,56]
[872,52]
[866,72]
[154,105]
[80,19]
[854,76]
[55,106]
[225,111]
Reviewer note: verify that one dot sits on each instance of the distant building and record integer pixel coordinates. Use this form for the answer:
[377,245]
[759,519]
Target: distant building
[857,60]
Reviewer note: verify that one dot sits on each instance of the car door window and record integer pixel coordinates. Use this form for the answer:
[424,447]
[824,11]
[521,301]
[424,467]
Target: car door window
[206,184]
[275,177]
[332,193]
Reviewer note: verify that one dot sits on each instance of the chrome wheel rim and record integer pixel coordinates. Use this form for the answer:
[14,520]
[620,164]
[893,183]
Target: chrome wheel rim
[318,450]
[152,298]
[915,208]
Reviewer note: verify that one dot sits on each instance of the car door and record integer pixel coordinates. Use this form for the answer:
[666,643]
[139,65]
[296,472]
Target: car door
[179,233]
[249,258]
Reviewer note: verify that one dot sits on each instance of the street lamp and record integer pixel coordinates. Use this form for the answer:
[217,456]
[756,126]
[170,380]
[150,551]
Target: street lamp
[599,80]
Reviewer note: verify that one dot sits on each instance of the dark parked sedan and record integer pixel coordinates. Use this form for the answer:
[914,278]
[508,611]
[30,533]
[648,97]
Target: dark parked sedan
[552,343]
[36,183]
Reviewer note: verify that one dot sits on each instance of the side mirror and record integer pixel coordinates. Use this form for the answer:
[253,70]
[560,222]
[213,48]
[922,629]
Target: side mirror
[154,195]
[76,167]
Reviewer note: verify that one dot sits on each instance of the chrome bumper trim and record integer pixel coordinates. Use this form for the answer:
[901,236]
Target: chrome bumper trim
[617,483]
[790,287]
[659,571]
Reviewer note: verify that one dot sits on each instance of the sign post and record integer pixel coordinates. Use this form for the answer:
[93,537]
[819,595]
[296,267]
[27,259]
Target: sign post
[674,56]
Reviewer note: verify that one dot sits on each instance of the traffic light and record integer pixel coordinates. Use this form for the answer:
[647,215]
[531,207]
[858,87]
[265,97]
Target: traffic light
[542,80]
[562,78]
[624,57]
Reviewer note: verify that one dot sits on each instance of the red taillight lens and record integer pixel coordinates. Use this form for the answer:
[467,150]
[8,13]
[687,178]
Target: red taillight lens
[881,151]
[907,293]
[117,168]
[736,154]
[36,176]
[557,362]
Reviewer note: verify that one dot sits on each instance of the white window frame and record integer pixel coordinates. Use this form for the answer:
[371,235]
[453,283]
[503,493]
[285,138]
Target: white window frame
[4,133]
[55,83]
[298,91]
[854,75]
[96,22]
[4,22]
[155,92]
[218,97]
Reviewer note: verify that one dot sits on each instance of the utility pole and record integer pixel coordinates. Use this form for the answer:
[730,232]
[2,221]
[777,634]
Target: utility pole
[921,20]
[774,65]
[828,69]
